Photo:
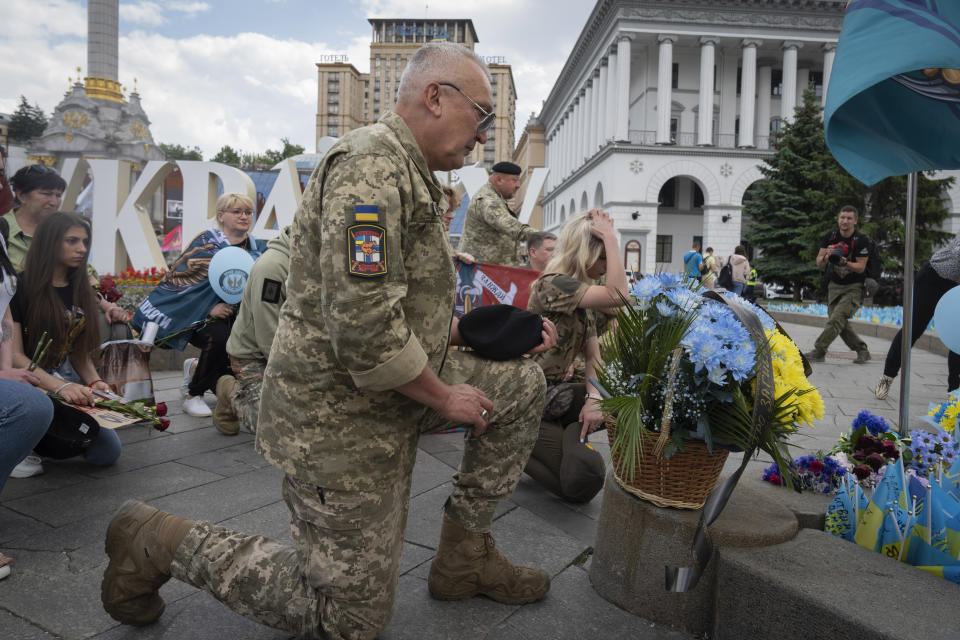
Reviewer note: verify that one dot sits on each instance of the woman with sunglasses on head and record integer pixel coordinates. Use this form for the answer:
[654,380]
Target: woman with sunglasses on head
[568,294]
[187,308]
[54,297]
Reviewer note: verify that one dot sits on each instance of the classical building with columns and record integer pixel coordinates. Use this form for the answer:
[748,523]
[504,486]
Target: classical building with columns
[665,108]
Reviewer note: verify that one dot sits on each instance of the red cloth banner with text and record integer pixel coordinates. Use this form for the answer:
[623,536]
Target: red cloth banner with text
[483,284]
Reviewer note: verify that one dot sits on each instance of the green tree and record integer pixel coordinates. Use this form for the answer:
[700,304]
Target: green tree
[787,209]
[273,156]
[227,155]
[27,122]
[179,152]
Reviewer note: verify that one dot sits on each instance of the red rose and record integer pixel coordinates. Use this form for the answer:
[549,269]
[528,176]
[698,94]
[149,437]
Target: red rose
[862,471]
[164,424]
[161,409]
[868,443]
[859,455]
[775,479]
[815,466]
[875,460]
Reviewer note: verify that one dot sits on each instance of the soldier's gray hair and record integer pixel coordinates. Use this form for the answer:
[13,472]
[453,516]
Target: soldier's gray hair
[578,251]
[431,63]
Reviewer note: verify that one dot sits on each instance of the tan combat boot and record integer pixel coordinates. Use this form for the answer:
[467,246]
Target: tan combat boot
[224,419]
[140,542]
[467,564]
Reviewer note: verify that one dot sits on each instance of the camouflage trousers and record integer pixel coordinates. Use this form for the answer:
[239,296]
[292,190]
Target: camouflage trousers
[246,394]
[340,578]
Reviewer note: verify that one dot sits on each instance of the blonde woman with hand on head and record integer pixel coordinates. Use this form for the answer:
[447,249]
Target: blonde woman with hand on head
[569,295]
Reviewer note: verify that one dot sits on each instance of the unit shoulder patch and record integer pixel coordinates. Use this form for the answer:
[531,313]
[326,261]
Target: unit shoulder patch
[366,250]
[271,290]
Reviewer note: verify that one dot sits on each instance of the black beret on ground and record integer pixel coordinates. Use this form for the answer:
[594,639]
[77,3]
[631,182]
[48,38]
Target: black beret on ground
[506,167]
[501,331]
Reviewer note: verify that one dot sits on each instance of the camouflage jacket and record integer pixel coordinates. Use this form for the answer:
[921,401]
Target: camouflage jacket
[263,295]
[491,233]
[370,297]
[556,296]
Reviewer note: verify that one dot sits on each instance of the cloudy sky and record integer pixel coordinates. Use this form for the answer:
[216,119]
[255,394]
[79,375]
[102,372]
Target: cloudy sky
[241,72]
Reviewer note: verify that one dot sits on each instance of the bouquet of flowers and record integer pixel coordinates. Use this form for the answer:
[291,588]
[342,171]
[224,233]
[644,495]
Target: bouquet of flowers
[138,409]
[944,414]
[685,367]
[815,472]
[131,286]
[866,449]
[931,453]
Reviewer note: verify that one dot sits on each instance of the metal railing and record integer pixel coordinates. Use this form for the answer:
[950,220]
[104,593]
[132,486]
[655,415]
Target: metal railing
[689,139]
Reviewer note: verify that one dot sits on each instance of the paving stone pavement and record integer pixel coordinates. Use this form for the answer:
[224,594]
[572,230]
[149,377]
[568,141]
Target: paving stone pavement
[53,524]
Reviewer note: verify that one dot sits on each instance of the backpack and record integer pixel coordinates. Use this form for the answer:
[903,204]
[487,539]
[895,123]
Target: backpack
[725,279]
[874,262]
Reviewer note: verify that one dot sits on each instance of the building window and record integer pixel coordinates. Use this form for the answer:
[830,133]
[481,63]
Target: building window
[376,61]
[333,131]
[333,87]
[333,76]
[674,128]
[333,120]
[816,79]
[776,82]
[664,248]
[675,73]
[488,156]
[776,124]
[493,80]
[333,108]
[333,99]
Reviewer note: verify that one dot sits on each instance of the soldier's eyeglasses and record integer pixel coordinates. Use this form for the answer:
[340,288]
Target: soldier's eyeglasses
[488,116]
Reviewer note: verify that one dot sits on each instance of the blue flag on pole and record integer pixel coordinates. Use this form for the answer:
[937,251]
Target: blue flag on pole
[839,519]
[893,102]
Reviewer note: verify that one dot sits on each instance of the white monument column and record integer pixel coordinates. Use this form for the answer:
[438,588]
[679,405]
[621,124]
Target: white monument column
[748,93]
[705,115]
[602,111]
[565,145]
[829,51]
[595,110]
[764,81]
[788,97]
[622,132]
[588,117]
[611,104]
[665,87]
[575,145]
[728,99]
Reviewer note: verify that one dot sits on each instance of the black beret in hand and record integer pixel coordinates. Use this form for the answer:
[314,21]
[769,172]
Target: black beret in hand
[501,331]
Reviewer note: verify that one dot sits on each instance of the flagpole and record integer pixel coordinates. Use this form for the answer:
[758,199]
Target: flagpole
[906,329]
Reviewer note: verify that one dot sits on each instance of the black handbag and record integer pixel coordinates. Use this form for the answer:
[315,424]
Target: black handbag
[71,432]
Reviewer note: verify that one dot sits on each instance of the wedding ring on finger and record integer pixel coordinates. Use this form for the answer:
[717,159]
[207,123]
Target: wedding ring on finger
[484,413]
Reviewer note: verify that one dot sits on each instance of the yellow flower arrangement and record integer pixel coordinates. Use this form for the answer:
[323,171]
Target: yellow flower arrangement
[788,376]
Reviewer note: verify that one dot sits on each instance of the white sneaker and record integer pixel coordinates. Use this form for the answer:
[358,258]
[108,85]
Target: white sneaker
[189,366]
[196,407]
[29,466]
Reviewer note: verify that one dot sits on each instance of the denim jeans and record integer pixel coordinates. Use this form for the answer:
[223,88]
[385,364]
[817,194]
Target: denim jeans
[738,288]
[25,415]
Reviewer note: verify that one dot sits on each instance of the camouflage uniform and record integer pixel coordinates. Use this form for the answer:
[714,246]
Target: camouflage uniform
[328,416]
[559,461]
[255,327]
[491,231]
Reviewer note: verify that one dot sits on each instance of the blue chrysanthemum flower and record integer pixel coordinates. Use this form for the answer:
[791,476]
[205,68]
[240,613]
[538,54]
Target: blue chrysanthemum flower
[683,298]
[666,309]
[717,376]
[670,280]
[647,288]
[943,438]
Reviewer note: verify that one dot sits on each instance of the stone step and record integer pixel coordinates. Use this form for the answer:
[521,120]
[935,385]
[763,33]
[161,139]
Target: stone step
[818,585]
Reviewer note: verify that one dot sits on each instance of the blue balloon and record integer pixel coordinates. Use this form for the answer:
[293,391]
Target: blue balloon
[945,319]
[228,273]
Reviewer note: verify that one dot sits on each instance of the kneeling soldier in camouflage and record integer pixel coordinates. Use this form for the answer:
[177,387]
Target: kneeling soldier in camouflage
[359,368]
[238,396]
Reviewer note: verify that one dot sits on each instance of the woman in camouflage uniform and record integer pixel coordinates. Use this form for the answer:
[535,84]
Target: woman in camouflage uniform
[568,294]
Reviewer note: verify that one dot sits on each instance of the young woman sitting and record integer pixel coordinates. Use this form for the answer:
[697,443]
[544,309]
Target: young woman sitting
[55,297]
[568,294]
